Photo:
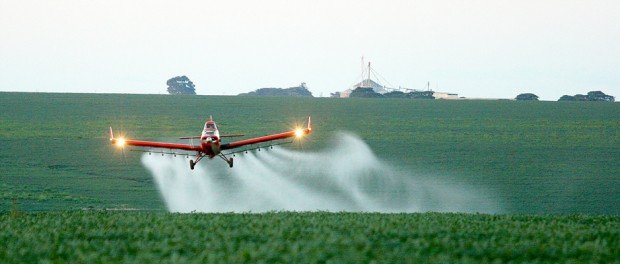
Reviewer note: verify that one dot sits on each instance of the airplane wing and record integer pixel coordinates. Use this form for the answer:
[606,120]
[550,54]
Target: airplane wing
[296,133]
[194,137]
[222,136]
[153,144]
[232,135]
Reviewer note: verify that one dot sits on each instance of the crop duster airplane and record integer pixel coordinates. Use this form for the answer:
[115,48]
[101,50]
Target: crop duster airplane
[211,142]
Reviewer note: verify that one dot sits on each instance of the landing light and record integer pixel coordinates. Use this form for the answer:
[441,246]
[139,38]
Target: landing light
[299,132]
[120,142]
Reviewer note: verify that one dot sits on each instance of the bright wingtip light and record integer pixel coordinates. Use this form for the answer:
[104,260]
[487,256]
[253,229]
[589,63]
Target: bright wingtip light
[120,142]
[299,132]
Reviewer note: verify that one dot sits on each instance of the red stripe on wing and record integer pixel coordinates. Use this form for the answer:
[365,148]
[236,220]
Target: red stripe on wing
[240,143]
[152,144]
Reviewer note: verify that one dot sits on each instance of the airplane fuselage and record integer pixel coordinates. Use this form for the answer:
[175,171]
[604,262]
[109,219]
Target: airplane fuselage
[210,140]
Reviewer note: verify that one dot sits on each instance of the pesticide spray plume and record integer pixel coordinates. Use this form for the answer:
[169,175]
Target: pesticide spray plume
[346,177]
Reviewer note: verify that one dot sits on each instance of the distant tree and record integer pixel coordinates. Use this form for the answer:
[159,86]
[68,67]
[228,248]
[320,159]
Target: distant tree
[362,92]
[567,98]
[527,97]
[297,91]
[581,97]
[181,85]
[599,96]
[421,95]
[395,94]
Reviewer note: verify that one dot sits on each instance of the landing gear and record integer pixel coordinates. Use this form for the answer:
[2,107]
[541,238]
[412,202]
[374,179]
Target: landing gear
[199,156]
[192,163]
[228,160]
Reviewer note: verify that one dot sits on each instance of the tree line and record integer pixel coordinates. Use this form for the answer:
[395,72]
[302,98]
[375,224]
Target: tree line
[183,85]
[362,92]
[594,96]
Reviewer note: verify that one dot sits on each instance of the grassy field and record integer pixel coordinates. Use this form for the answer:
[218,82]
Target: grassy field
[533,157]
[92,236]
[538,158]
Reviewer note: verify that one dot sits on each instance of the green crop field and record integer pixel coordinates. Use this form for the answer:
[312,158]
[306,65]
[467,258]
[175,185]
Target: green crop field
[534,158]
[307,238]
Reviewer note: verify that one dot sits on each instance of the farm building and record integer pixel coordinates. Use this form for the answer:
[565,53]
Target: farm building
[445,96]
[367,83]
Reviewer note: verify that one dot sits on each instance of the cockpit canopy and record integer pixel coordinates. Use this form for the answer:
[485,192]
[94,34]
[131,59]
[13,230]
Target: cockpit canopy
[210,129]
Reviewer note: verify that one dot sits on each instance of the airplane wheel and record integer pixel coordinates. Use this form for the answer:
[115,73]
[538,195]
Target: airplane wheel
[191,164]
[231,162]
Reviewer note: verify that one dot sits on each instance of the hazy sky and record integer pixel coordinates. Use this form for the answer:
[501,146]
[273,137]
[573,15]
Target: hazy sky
[476,48]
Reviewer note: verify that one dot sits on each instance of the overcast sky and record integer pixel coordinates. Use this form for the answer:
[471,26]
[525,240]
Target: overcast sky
[476,48]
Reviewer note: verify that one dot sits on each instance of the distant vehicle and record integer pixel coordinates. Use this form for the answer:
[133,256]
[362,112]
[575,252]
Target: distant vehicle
[211,142]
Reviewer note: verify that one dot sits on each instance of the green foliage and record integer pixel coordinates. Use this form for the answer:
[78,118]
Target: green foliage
[395,94]
[581,97]
[592,96]
[529,157]
[567,98]
[361,92]
[527,97]
[600,96]
[15,212]
[299,91]
[104,236]
[180,85]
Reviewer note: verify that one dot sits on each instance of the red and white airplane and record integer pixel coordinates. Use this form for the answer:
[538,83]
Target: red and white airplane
[211,142]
